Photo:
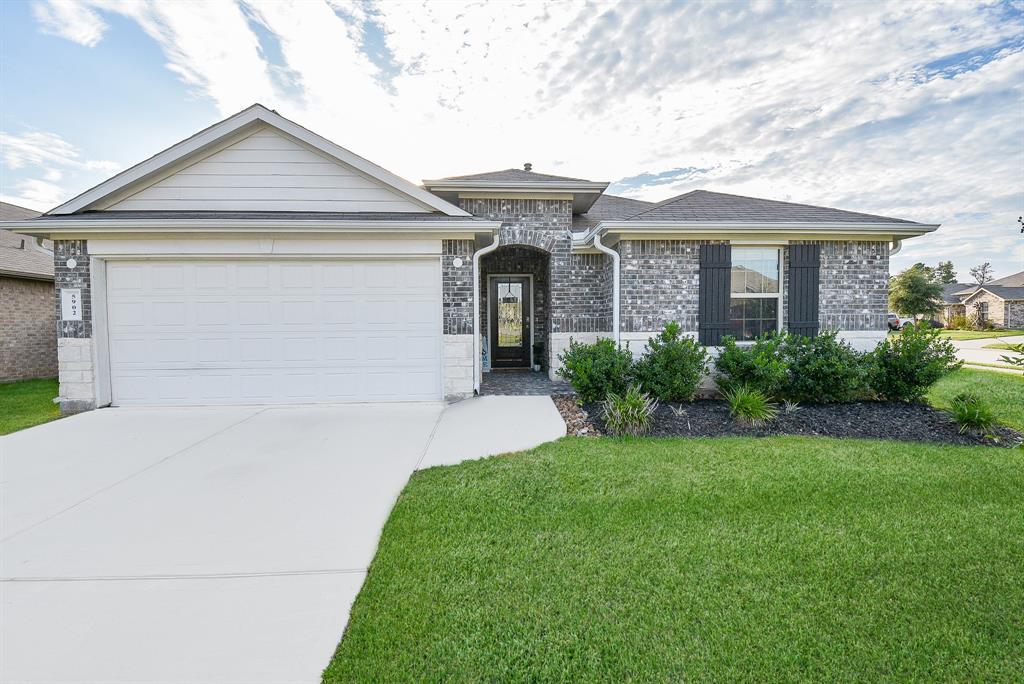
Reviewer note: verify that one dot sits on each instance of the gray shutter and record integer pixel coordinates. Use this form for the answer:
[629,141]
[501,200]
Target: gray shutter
[713,307]
[804,275]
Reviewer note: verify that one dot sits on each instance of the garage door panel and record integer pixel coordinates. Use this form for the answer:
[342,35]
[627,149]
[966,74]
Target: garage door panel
[274,332]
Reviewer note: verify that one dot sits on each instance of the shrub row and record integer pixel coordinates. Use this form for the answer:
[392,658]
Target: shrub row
[782,367]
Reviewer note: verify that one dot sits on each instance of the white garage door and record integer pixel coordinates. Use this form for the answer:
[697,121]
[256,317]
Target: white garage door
[203,332]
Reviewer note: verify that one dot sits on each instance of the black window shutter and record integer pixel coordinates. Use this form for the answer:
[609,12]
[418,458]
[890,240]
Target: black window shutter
[804,276]
[713,307]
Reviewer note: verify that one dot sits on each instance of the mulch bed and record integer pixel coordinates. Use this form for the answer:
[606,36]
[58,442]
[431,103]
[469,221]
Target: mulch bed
[868,419]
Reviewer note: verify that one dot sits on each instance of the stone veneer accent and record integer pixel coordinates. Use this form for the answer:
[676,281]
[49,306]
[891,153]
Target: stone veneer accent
[458,367]
[74,338]
[28,348]
[457,287]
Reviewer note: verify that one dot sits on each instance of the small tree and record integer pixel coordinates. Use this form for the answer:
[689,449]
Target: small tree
[982,274]
[914,293]
[944,273]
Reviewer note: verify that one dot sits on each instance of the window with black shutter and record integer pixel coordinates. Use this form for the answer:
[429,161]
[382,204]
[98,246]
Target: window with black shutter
[713,305]
[804,282]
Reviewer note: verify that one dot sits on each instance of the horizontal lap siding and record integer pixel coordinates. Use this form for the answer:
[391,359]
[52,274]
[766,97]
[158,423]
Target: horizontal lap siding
[267,171]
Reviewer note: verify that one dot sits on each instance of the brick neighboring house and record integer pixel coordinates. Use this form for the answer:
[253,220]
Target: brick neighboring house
[28,348]
[999,302]
[257,262]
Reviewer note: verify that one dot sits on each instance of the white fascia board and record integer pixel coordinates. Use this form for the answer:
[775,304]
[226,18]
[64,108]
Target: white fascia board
[818,230]
[232,124]
[70,228]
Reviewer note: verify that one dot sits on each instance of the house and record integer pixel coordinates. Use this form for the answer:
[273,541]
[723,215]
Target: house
[257,262]
[28,346]
[998,302]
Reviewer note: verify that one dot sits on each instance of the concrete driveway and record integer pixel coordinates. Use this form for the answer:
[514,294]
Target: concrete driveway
[212,544]
[973,351]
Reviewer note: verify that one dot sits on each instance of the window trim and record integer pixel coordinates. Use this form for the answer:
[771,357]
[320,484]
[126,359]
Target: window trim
[778,296]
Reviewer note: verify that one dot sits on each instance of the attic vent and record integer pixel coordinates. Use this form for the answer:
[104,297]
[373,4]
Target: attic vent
[527,166]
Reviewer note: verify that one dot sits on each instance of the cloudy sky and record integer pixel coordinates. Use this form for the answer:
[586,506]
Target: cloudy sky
[907,109]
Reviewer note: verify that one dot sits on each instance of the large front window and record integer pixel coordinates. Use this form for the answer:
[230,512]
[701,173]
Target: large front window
[756,294]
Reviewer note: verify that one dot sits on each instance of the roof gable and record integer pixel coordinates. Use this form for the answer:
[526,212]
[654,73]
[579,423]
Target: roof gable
[258,160]
[703,205]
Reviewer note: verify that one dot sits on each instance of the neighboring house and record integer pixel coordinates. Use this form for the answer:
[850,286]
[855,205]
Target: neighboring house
[953,300]
[257,262]
[999,302]
[28,347]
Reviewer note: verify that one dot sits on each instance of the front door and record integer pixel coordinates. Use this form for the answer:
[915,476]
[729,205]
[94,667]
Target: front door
[510,321]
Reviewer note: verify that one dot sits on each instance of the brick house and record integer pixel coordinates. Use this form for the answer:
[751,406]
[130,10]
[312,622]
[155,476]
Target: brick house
[999,302]
[28,347]
[257,262]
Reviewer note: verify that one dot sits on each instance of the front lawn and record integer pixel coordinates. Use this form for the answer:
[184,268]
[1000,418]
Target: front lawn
[979,334]
[27,403]
[1003,392]
[705,559]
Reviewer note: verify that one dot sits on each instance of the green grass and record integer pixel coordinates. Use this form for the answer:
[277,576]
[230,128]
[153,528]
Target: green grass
[978,334]
[27,403]
[998,345]
[605,560]
[1004,392]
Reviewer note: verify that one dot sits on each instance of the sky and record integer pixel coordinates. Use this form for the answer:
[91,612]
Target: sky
[907,109]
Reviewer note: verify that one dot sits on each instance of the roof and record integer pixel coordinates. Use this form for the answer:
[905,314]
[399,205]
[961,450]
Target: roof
[516,175]
[1015,280]
[952,292]
[704,205]
[22,256]
[1000,291]
[609,208]
[205,140]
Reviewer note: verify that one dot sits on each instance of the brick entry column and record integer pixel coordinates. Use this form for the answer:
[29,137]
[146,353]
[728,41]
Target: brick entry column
[75,354]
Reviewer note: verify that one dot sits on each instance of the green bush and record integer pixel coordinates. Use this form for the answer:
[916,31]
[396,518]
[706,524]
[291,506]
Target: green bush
[823,369]
[630,413]
[672,366]
[972,413]
[902,367]
[1018,358]
[596,370]
[958,322]
[750,405]
[760,365]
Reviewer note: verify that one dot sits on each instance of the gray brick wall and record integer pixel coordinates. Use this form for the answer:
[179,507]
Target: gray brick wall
[658,281]
[77,277]
[28,346]
[854,292]
[457,287]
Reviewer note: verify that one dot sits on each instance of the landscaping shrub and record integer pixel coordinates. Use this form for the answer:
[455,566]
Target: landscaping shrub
[958,322]
[630,413]
[672,366]
[760,365]
[972,413]
[902,367]
[750,405]
[596,370]
[1018,358]
[823,369]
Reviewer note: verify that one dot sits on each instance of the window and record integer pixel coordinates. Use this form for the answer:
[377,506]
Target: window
[982,312]
[755,292]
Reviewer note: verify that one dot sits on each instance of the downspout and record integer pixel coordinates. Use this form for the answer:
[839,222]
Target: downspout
[615,283]
[895,247]
[476,309]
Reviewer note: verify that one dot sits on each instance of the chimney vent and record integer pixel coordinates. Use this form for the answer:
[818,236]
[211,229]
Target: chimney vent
[527,166]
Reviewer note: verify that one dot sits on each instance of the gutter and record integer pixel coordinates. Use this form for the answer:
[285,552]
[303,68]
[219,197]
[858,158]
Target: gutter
[476,310]
[702,227]
[615,284]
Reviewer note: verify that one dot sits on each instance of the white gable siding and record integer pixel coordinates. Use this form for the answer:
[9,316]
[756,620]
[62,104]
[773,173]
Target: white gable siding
[267,171]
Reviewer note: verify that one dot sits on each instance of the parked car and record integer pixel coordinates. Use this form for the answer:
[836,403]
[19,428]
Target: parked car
[894,321]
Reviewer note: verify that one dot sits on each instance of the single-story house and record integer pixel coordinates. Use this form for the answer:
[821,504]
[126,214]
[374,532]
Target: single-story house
[257,262]
[28,345]
[999,302]
[953,300]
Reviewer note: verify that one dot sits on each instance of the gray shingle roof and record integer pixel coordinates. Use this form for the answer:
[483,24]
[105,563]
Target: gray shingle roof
[608,208]
[952,292]
[1015,280]
[258,216]
[703,205]
[517,176]
[1004,292]
[20,255]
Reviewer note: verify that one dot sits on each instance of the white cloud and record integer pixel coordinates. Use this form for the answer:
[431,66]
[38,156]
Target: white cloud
[908,108]
[70,19]
[36,163]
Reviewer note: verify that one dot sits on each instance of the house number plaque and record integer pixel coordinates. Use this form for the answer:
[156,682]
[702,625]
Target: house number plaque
[71,304]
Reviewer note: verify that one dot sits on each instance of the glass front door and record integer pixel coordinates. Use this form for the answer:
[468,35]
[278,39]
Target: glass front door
[509,299]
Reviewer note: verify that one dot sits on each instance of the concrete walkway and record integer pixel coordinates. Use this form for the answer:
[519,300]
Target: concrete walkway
[212,544]
[974,352]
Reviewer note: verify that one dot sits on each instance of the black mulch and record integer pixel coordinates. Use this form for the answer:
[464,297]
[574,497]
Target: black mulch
[867,419]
